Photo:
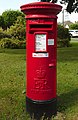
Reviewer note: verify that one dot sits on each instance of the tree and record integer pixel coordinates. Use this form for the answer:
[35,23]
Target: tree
[1,21]
[17,30]
[74,26]
[10,16]
[72,5]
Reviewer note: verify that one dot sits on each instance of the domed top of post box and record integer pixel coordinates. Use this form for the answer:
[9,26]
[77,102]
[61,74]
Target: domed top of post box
[41,8]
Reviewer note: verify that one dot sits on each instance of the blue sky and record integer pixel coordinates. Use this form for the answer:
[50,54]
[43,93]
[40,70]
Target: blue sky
[15,4]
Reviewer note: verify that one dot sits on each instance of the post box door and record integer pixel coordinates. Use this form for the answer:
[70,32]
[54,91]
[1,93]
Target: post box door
[43,70]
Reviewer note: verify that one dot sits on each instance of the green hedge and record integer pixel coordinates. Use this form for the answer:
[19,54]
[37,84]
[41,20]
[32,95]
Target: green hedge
[8,41]
[4,34]
[12,43]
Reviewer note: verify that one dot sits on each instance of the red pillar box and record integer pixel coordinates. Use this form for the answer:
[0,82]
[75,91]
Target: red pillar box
[41,33]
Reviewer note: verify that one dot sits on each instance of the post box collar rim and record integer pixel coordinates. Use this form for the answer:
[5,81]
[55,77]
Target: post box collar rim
[41,8]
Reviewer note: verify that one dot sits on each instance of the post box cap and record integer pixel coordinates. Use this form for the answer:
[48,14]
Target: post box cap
[41,8]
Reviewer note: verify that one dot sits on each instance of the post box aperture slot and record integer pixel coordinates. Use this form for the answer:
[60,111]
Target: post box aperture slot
[44,27]
[41,42]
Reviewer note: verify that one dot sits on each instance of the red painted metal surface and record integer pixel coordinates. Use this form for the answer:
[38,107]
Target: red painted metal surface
[41,19]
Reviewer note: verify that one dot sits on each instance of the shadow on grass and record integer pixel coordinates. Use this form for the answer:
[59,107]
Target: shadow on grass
[67,100]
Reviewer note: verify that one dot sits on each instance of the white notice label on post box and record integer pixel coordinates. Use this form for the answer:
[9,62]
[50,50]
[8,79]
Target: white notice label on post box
[50,41]
[40,43]
[40,54]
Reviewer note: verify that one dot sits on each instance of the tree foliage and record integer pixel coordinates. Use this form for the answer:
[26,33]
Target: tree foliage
[74,26]
[72,5]
[14,37]
[1,21]
[9,17]
[17,30]
[4,34]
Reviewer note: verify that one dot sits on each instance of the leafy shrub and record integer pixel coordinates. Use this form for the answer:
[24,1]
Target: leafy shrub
[17,31]
[9,17]
[22,44]
[63,37]
[4,34]
[11,43]
[63,43]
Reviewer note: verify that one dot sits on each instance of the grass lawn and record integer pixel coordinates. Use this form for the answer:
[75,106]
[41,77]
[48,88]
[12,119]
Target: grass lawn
[12,84]
[68,82]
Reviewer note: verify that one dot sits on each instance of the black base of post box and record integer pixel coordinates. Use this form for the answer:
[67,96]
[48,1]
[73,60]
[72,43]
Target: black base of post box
[39,109]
